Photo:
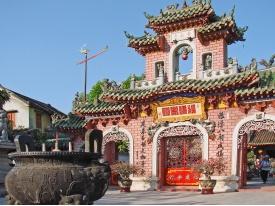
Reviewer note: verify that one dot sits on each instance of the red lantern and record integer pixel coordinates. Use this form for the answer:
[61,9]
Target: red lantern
[184,56]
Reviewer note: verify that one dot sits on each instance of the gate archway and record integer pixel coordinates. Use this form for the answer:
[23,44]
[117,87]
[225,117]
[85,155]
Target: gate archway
[257,122]
[115,134]
[176,130]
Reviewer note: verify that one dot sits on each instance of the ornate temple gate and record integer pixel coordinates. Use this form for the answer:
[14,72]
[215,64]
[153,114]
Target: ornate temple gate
[109,148]
[181,153]
[178,148]
[242,142]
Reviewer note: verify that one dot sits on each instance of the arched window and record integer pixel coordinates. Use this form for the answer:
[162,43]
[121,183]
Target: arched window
[183,61]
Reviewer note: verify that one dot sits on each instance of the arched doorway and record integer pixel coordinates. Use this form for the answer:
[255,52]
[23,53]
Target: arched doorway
[249,138]
[175,148]
[93,141]
[114,140]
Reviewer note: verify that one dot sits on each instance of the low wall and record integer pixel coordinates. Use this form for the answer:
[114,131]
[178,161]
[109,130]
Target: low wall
[226,183]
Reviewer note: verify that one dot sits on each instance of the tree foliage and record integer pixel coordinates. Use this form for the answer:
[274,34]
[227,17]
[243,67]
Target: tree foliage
[126,83]
[95,91]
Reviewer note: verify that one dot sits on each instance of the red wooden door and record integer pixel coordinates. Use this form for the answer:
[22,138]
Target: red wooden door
[181,154]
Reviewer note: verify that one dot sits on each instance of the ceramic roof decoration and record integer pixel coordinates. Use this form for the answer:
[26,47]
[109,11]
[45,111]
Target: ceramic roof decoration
[144,44]
[182,17]
[223,25]
[264,88]
[101,107]
[197,87]
[200,14]
[70,122]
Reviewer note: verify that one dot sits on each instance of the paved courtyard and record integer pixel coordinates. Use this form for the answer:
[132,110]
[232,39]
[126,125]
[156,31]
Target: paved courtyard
[183,198]
[256,193]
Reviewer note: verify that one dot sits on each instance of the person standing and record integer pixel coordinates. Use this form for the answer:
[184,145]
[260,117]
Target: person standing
[265,168]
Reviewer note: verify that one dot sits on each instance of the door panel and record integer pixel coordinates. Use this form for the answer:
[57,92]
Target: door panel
[181,154]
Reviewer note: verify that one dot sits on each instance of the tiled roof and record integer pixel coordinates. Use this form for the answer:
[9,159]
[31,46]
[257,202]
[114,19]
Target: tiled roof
[230,82]
[144,40]
[35,103]
[144,44]
[263,137]
[224,23]
[265,88]
[173,14]
[70,122]
[101,107]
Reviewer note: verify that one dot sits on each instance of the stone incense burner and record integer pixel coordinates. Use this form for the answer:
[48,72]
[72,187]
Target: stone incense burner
[59,177]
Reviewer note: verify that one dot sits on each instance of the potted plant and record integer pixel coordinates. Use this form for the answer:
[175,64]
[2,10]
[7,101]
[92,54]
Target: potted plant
[124,170]
[207,168]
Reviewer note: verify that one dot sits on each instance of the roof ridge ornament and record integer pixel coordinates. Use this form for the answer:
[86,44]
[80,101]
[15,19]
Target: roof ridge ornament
[232,12]
[129,36]
[184,4]
[148,16]
[196,2]
[268,64]
[147,34]
[241,31]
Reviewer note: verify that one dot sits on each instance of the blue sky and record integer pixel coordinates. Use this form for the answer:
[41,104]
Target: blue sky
[40,41]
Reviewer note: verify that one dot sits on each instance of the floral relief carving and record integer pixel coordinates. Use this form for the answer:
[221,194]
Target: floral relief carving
[253,125]
[183,130]
[114,137]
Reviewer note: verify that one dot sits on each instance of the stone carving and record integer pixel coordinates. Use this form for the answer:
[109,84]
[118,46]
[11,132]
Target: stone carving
[251,67]
[108,85]
[153,129]
[114,136]
[183,130]
[56,178]
[72,200]
[3,126]
[253,64]
[253,125]
[208,62]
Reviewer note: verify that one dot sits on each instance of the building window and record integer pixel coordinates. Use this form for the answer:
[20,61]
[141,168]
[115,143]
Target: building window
[158,68]
[38,120]
[207,61]
[11,118]
[183,60]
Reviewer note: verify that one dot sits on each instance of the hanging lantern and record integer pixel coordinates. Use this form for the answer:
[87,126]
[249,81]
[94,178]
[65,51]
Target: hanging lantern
[184,55]
[260,151]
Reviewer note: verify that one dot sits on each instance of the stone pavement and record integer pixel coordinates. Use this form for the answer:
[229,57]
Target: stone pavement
[254,194]
[183,198]
[189,198]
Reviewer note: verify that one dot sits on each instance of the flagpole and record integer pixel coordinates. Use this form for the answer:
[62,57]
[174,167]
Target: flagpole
[85,51]
[86,68]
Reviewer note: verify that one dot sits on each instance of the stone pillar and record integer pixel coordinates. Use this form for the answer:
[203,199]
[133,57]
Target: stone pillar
[3,126]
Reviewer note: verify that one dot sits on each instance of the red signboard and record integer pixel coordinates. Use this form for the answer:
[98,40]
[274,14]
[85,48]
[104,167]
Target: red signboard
[179,112]
[182,176]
